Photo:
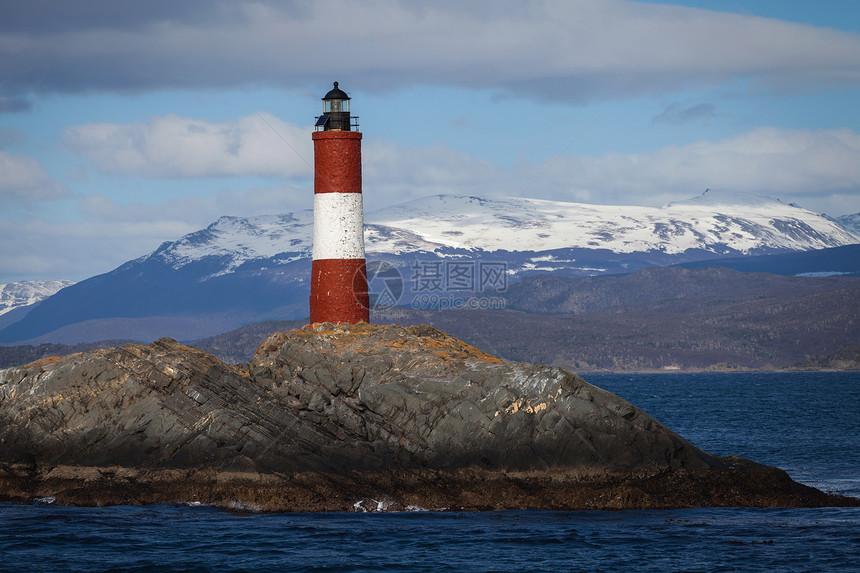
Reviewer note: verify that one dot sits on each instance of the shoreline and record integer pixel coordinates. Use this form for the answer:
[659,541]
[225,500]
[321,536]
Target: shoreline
[717,371]
[346,418]
[744,484]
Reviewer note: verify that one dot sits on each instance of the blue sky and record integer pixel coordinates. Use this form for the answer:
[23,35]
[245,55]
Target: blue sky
[125,125]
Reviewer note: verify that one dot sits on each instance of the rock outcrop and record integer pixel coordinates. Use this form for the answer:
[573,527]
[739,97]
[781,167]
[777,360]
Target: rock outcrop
[329,417]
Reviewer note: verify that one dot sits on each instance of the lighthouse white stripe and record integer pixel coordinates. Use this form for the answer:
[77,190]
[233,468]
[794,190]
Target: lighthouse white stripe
[338,226]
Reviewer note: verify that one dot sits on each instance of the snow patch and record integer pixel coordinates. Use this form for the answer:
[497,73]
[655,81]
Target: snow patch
[235,241]
[823,274]
[18,294]
[736,221]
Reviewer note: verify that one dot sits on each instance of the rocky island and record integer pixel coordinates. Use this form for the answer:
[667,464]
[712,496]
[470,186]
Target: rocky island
[351,417]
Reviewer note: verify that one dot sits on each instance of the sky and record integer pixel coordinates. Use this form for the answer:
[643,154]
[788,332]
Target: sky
[123,125]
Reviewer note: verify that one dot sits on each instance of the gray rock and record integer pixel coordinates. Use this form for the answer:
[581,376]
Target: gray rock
[329,398]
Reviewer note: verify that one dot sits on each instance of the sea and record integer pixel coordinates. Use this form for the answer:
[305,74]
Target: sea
[805,423]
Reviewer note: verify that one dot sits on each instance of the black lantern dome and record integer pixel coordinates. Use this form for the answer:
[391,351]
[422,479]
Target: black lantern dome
[336,94]
[335,115]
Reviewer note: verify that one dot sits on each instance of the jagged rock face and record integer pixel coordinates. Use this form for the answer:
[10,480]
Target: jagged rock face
[420,398]
[325,399]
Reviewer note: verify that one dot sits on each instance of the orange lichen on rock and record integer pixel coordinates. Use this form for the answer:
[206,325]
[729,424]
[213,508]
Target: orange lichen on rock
[364,338]
[48,360]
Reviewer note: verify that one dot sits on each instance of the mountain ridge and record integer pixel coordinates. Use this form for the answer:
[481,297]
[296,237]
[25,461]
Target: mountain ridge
[25,293]
[472,223]
[654,319]
[743,224]
[206,277]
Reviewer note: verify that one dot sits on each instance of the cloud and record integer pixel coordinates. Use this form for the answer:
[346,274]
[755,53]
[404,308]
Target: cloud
[677,114]
[33,16]
[572,51]
[393,173]
[38,248]
[10,137]
[263,146]
[107,233]
[794,164]
[23,181]
[819,169]
[806,166]
[15,104]
[180,147]
[786,162]
[195,211]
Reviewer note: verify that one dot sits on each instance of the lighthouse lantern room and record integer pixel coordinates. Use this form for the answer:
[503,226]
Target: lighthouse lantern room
[336,115]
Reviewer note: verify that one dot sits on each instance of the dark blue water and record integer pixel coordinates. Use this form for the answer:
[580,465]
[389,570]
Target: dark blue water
[806,423]
[162,538]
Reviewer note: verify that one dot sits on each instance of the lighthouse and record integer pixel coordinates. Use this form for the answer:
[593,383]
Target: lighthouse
[338,272]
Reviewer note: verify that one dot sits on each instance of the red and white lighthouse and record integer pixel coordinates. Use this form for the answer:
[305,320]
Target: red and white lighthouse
[338,273]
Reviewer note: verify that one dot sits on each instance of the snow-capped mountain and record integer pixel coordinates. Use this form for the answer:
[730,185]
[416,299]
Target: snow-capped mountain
[850,223]
[19,294]
[718,223]
[243,270]
[230,242]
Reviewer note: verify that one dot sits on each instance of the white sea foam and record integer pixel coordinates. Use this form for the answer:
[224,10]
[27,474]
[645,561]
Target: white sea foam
[366,505]
[244,506]
[192,504]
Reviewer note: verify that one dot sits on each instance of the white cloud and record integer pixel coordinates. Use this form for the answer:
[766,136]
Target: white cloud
[37,248]
[819,169]
[108,233]
[571,50]
[395,173]
[195,211]
[795,164]
[787,162]
[23,181]
[179,147]
[806,166]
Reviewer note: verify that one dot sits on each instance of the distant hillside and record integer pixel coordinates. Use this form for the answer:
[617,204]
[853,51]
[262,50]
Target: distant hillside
[843,359]
[844,261]
[662,289]
[17,355]
[654,319]
[199,285]
[238,346]
[233,347]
